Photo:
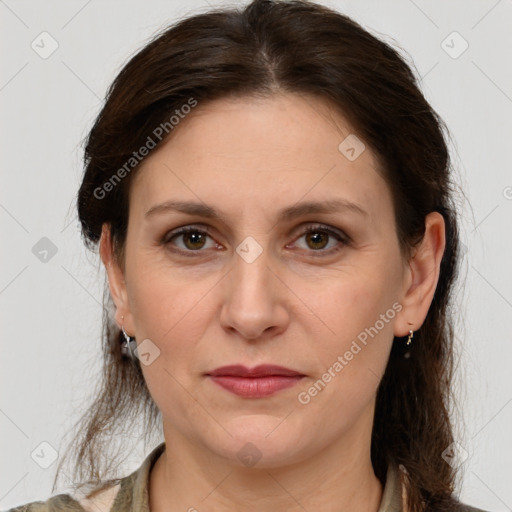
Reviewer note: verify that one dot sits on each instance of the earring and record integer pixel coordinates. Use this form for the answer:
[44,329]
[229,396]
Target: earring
[128,345]
[411,334]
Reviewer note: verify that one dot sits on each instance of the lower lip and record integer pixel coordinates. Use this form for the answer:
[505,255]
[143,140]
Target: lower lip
[255,387]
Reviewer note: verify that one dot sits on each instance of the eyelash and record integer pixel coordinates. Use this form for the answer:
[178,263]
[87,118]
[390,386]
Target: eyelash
[319,228]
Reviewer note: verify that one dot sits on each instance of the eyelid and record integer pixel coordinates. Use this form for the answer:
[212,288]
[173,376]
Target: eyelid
[199,228]
[340,235]
[304,229]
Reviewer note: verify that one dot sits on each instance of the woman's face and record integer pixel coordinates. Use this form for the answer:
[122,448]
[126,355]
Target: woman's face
[249,286]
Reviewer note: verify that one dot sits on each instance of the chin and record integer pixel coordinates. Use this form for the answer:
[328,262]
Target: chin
[260,445]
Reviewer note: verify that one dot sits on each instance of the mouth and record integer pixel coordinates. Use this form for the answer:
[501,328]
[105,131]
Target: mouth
[258,382]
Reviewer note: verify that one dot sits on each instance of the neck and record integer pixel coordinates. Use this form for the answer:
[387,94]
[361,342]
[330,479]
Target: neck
[340,477]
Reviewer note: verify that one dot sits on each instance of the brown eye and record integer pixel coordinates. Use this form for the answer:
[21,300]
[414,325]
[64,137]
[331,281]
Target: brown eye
[318,239]
[192,240]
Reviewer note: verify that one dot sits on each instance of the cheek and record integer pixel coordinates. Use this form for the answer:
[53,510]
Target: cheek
[352,356]
[346,305]
[354,339]
[173,315]
[159,294]
[171,308]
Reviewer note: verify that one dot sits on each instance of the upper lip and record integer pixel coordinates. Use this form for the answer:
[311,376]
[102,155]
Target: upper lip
[263,370]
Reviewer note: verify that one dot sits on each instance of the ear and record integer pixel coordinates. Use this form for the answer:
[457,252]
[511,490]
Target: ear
[116,281]
[422,276]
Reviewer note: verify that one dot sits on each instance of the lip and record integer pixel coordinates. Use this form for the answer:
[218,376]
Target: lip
[263,370]
[259,382]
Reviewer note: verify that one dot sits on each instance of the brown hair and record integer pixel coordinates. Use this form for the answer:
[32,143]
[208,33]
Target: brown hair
[301,47]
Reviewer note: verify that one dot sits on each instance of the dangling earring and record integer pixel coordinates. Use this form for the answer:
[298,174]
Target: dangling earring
[411,334]
[128,345]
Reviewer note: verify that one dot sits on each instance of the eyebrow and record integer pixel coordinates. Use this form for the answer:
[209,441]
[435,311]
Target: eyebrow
[289,213]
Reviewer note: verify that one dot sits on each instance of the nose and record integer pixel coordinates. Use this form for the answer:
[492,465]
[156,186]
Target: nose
[255,299]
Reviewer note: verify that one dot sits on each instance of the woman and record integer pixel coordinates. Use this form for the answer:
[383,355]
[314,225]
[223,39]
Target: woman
[272,200]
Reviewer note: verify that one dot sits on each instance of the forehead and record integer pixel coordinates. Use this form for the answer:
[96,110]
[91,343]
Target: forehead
[246,154]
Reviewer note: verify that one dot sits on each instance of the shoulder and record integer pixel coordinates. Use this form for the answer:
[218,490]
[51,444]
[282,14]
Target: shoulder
[58,503]
[118,495]
[467,508]
[393,471]
[99,501]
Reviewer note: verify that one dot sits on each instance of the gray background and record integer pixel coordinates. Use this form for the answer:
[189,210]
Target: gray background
[51,303]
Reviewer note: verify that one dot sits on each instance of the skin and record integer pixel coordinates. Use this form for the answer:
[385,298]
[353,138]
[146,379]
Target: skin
[294,305]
